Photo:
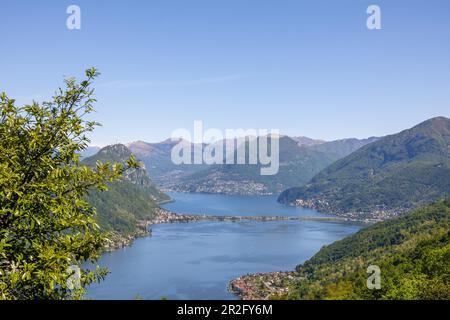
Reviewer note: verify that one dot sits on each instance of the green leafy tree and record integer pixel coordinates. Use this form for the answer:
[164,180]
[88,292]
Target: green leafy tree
[46,226]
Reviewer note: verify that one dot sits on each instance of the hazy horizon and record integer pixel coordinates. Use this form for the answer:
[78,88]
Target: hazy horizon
[290,136]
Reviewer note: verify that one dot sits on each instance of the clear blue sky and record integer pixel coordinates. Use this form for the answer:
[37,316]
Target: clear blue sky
[305,67]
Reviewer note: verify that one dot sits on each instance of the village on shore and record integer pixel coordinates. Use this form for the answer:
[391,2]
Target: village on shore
[262,286]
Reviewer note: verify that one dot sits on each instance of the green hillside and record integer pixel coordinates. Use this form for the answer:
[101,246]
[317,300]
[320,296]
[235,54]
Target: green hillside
[122,206]
[391,175]
[412,252]
[132,199]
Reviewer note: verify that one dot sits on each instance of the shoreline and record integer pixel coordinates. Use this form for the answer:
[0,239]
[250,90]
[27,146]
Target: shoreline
[166,216]
[320,205]
[255,286]
[118,241]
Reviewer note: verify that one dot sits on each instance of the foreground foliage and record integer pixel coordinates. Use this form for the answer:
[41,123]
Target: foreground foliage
[46,226]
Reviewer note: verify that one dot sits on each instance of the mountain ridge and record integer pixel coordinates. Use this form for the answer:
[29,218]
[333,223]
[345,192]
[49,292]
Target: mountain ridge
[389,176]
[298,164]
[312,156]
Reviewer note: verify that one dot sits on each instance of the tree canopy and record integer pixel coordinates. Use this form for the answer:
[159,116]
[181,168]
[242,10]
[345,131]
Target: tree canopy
[47,228]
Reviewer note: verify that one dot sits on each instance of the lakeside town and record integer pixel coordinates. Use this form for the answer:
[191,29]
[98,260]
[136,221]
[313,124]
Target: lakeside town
[262,286]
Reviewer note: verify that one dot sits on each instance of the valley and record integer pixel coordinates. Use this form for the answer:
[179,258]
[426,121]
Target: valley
[239,220]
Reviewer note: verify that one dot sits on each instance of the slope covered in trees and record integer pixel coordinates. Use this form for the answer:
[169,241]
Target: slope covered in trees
[393,174]
[128,201]
[412,252]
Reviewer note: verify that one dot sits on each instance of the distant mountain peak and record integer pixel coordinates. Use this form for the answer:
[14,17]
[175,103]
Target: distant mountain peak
[441,124]
[307,142]
[137,143]
[172,141]
[118,152]
[438,119]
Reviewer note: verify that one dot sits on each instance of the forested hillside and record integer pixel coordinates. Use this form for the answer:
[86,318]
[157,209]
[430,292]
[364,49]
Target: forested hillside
[412,252]
[130,200]
[392,175]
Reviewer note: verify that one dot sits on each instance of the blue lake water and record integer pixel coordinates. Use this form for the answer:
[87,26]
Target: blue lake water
[219,204]
[196,260]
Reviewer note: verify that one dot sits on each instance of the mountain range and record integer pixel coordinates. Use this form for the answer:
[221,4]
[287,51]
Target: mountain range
[298,164]
[300,159]
[374,177]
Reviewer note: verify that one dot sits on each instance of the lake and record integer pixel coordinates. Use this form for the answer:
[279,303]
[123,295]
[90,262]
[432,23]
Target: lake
[196,260]
[220,204]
